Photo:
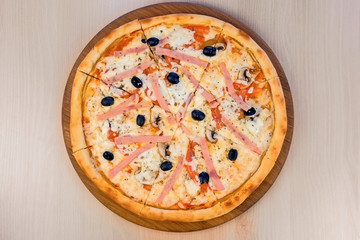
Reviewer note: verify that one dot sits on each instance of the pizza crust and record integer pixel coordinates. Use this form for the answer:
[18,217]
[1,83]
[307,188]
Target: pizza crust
[192,215]
[280,120]
[270,156]
[76,128]
[228,203]
[253,48]
[85,161]
[234,199]
[182,19]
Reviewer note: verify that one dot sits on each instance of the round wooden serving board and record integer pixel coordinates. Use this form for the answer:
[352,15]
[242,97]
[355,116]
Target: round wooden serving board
[163,9]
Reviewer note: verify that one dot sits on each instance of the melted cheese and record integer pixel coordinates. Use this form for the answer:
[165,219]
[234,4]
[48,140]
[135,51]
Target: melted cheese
[180,37]
[161,31]
[145,168]
[254,125]
[111,65]
[213,81]
[191,187]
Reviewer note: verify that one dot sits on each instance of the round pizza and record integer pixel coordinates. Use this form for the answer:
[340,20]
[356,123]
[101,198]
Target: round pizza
[177,117]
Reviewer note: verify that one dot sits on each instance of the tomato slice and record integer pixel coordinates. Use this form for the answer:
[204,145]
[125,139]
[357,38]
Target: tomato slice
[239,86]
[189,155]
[200,31]
[198,28]
[215,112]
[149,70]
[147,187]
[204,187]
[170,59]
[260,76]
[243,91]
[111,135]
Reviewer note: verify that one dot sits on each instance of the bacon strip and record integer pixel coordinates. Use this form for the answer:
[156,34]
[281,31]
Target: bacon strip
[121,111]
[209,165]
[117,110]
[190,76]
[159,97]
[141,139]
[130,50]
[172,180]
[181,114]
[128,73]
[242,137]
[231,89]
[129,159]
[214,104]
[181,57]
[186,130]
[163,41]
[206,94]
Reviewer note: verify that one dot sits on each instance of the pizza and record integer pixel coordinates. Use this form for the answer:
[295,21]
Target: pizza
[177,117]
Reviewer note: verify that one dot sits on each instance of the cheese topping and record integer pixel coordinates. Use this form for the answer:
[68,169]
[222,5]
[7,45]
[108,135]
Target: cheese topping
[137,160]
[180,37]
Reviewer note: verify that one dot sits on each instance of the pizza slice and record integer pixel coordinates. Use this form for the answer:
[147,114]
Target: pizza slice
[108,114]
[247,115]
[179,45]
[133,76]
[235,69]
[179,86]
[234,163]
[252,131]
[130,163]
[183,179]
[171,169]
[199,112]
[176,39]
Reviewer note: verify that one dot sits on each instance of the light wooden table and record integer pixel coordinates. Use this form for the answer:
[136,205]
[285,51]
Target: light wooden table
[316,196]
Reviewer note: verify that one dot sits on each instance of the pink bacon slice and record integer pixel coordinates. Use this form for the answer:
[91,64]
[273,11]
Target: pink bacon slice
[186,130]
[141,139]
[159,97]
[129,159]
[130,50]
[123,109]
[181,57]
[128,73]
[169,185]
[210,166]
[206,94]
[116,110]
[181,114]
[231,89]
[242,137]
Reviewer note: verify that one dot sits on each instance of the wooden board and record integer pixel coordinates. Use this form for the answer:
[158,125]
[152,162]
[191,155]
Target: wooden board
[163,9]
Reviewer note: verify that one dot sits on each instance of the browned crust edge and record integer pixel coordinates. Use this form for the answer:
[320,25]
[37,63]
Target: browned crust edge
[233,200]
[76,128]
[253,48]
[181,19]
[268,161]
[280,120]
[79,146]
[84,159]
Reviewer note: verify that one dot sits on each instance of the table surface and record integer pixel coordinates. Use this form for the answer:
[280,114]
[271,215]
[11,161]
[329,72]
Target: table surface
[317,194]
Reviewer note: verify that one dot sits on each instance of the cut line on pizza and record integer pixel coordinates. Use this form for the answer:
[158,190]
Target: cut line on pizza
[177,117]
